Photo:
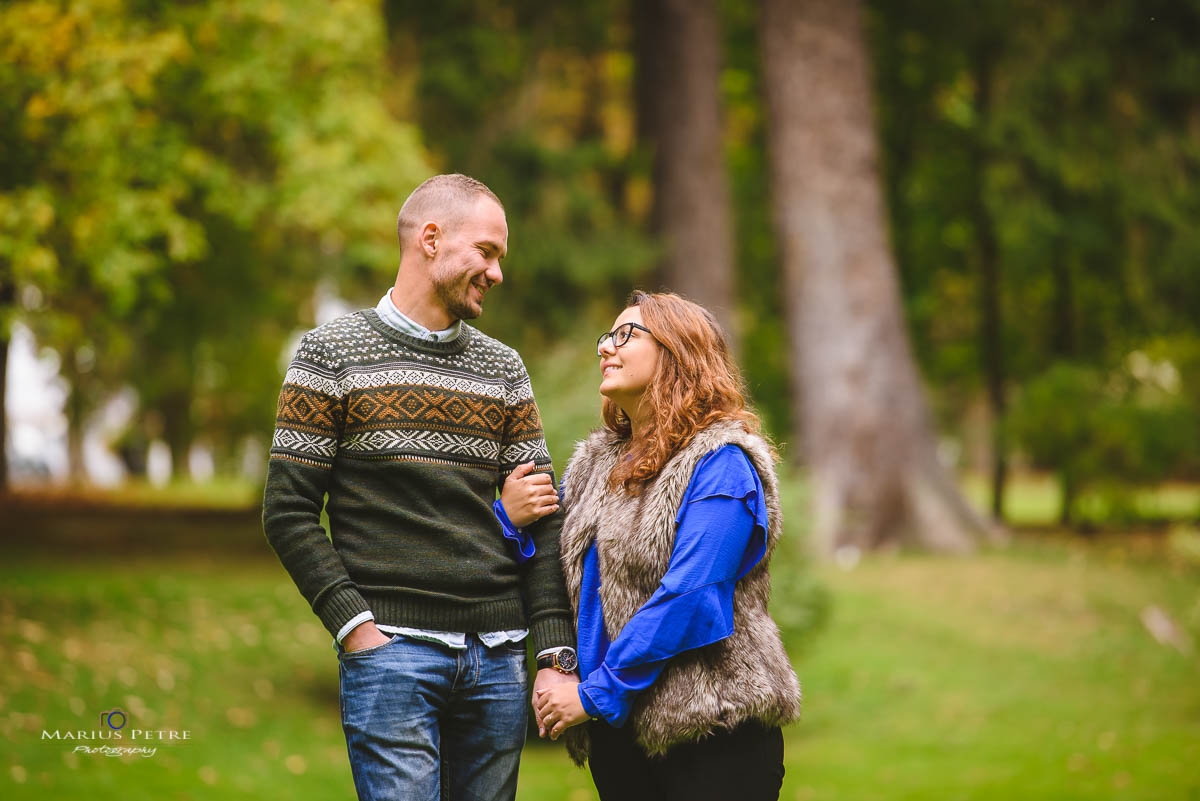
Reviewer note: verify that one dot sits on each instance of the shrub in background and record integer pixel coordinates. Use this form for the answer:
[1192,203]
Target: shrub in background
[1107,433]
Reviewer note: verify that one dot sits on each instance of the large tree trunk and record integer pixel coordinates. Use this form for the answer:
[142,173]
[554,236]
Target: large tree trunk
[868,440]
[677,47]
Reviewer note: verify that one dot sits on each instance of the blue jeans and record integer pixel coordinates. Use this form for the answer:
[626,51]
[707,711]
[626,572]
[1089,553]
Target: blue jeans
[425,722]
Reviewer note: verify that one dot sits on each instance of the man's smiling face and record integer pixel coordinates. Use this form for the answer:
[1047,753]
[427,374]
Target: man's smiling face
[469,262]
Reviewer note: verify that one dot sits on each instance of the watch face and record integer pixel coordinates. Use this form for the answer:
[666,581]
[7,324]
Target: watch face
[567,660]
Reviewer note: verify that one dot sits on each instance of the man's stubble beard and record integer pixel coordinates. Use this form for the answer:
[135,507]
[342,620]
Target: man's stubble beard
[452,293]
[457,307]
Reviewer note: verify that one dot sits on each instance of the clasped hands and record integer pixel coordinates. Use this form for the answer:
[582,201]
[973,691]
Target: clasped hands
[527,497]
[556,704]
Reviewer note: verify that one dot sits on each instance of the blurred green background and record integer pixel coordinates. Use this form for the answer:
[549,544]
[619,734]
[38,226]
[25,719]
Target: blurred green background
[185,187]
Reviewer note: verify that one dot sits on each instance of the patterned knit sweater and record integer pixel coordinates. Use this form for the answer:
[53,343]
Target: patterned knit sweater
[410,440]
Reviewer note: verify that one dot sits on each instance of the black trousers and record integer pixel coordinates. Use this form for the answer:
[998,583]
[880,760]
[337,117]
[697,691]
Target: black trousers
[745,764]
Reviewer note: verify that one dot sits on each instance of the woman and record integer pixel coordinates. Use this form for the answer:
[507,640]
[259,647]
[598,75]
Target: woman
[672,513]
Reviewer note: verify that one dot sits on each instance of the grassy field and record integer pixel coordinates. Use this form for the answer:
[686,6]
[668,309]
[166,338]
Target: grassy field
[1022,673]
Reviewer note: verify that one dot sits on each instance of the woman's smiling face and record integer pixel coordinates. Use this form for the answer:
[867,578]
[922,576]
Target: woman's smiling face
[625,372]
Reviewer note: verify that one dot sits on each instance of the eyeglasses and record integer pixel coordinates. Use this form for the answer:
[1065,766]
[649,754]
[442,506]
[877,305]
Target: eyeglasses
[620,335]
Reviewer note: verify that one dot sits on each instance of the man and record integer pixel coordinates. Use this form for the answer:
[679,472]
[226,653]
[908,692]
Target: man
[410,419]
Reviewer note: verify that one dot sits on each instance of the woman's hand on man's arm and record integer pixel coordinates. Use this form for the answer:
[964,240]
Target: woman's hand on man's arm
[528,496]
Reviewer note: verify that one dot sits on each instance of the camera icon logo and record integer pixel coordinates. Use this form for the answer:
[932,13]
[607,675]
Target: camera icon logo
[114,719]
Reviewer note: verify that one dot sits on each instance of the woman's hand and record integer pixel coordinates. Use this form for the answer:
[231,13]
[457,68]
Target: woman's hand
[528,496]
[558,708]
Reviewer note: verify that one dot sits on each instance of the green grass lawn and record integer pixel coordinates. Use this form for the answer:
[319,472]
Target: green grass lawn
[1017,674]
[1035,499]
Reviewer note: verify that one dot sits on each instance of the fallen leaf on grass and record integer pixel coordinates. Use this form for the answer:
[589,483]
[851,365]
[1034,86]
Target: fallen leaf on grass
[1163,629]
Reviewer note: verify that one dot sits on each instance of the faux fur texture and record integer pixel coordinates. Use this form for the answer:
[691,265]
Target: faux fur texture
[746,676]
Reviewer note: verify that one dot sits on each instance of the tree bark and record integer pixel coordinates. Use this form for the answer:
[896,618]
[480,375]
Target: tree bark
[864,423]
[677,47]
[75,410]
[988,251]
[178,431]
[1062,324]
[1066,484]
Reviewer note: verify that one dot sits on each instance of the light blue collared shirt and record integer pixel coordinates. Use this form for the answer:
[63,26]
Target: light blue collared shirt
[397,319]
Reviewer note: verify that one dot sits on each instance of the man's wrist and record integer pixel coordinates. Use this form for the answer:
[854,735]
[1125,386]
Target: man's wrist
[562,659]
[352,624]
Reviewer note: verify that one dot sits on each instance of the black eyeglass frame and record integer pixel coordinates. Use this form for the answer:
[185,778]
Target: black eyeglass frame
[620,335]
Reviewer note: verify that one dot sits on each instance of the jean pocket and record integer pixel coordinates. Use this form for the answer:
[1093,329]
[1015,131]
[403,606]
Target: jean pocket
[362,652]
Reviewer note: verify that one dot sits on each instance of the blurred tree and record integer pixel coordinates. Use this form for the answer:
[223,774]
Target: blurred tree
[984,51]
[175,179]
[868,441]
[759,289]
[87,211]
[295,110]
[936,80]
[937,160]
[1125,428]
[1023,156]
[677,45]
[534,100]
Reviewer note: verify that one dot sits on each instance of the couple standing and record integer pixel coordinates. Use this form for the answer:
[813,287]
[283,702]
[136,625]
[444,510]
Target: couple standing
[655,567]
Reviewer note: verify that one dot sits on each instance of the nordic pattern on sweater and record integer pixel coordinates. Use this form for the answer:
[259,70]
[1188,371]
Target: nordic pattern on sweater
[354,391]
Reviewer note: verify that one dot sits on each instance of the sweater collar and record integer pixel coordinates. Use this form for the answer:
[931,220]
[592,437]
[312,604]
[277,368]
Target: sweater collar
[450,346]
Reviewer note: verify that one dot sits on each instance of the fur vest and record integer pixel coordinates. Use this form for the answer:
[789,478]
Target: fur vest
[744,677]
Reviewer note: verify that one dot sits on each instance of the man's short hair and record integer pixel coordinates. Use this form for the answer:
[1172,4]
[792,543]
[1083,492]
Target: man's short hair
[445,199]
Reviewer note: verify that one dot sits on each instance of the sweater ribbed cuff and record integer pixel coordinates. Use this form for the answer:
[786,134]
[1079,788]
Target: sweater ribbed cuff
[339,606]
[551,632]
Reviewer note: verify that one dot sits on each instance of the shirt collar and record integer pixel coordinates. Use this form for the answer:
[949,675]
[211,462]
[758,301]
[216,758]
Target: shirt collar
[395,318]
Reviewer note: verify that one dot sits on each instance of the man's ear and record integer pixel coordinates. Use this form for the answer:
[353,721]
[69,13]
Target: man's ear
[429,239]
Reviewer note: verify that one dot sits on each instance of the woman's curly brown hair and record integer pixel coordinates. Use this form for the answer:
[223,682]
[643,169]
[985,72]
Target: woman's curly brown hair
[695,385]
